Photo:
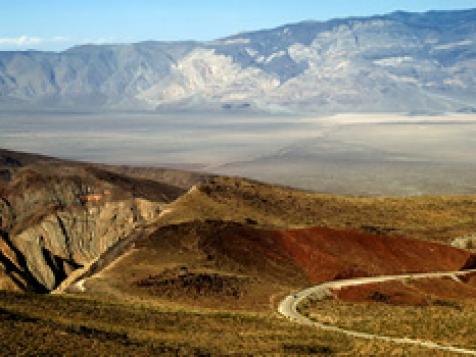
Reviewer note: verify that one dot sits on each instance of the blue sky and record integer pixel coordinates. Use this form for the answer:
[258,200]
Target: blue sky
[58,24]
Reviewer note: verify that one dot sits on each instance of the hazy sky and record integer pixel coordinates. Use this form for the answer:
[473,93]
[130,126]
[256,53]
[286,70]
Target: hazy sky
[58,24]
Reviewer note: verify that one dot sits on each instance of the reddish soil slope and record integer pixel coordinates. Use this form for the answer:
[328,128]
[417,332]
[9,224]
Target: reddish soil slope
[392,292]
[414,292]
[326,254]
[317,254]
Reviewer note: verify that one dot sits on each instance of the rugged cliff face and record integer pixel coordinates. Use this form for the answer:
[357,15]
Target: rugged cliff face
[67,239]
[56,217]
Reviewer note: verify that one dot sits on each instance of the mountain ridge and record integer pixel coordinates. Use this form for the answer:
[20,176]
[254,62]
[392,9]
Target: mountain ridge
[397,62]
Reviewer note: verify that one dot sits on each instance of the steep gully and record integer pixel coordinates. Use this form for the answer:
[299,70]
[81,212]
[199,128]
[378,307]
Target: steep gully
[77,279]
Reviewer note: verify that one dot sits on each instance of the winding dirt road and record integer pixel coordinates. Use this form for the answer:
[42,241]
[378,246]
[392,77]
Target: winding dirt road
[288,308]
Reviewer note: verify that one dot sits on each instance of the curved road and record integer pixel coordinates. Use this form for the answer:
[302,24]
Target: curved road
[288,308]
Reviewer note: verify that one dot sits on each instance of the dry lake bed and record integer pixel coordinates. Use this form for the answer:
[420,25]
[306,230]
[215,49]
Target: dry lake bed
[353,153]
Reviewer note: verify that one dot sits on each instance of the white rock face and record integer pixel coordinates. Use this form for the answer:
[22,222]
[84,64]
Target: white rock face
[396,62]
[206,74]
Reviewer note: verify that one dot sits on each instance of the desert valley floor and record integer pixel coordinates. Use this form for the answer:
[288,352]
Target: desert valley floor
[363,154]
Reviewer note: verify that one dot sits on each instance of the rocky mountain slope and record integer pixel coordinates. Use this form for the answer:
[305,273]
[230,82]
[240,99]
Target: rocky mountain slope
[56,217]
[397,62]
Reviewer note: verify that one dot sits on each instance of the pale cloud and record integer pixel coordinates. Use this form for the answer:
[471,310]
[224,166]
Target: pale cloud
[24,40]
[54,43]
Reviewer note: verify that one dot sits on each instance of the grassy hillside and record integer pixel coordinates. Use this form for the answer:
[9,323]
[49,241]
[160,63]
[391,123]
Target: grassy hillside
[445,321]
[55,325]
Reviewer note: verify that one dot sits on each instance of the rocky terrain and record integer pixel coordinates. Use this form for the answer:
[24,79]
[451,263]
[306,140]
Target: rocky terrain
[56,217]
[399,62]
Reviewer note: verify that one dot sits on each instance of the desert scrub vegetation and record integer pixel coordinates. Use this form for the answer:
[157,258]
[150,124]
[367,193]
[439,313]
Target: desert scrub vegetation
[438,218]
[57,325]
[444,321]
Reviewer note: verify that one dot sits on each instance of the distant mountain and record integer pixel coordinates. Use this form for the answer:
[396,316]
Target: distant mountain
[398,62]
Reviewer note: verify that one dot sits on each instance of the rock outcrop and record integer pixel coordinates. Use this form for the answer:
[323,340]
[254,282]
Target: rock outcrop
[56,218]
[66,240]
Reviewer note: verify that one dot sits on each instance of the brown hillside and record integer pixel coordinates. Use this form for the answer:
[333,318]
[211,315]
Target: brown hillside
[10,161]
[212,264]
[238,266]
[436,218]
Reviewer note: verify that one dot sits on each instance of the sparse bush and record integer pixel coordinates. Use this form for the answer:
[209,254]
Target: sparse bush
[307,349]
[447,303]
[379,297]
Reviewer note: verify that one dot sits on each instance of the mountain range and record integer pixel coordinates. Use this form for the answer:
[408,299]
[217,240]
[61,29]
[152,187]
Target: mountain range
[399,62]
